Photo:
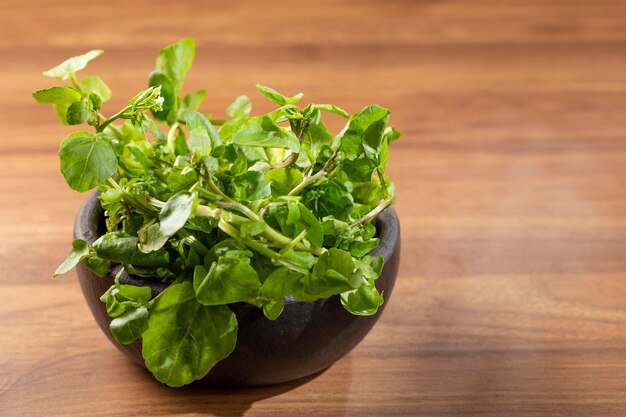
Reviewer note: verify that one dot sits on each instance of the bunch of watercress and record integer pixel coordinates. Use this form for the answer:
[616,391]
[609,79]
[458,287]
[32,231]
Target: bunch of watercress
[263,208]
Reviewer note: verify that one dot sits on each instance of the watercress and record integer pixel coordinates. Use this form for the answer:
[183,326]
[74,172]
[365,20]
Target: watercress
[246,209]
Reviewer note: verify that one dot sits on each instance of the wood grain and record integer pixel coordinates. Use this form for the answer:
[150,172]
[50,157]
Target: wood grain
[511,299]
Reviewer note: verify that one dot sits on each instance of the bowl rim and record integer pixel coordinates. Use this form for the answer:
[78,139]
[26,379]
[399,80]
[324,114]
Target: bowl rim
[88,221]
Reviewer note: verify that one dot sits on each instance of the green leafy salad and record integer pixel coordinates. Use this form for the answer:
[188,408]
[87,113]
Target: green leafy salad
[260,209]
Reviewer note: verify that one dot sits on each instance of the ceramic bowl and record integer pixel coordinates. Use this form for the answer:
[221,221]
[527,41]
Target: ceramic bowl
[307,338]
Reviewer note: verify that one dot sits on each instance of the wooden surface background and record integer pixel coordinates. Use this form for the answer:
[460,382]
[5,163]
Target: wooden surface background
[511,296]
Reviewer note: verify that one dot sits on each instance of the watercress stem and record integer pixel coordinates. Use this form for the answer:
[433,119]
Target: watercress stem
[294,241]
[239,207]
[311,179]
[284,240]
[275,236]
[111,119]
[228,202]
[263,250]
[113,183]
[205,211]
[269,233]
[382,183]
[193,242]
[291,159]
[374,212]
[170,139]
[74,80]
[299,128]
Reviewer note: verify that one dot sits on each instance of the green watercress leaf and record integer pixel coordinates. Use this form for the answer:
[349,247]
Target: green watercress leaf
[252,228]
[333,273]
[120,299]
[391,134]
[240,107]
[65,69]
[185,339]
[360,169]
[87,160]
[99,266]
[133,293]
[190,103]
[371,266]
[317,138]
[365,128]
[283,180]
[57,95]
[77,113]
[251,185]
[175,60]
[229,280]
[124,250]
[274,308]
[130,326]
[363,301]
[282,282]
[330,197]
[95,85]
[151,238]
[263,132]
[95,102]
[331,108]
[315,232]
[180,178]
[80,251]
[204,138]
[360,247]
[176,212]
[276,97]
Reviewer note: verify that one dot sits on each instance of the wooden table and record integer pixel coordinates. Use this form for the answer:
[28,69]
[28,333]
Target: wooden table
[511,177]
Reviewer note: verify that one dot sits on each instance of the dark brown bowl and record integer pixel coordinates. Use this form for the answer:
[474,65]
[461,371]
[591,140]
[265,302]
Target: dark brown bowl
[305,339]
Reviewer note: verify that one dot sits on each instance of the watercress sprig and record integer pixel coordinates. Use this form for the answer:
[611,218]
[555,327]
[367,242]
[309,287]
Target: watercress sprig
[246,208]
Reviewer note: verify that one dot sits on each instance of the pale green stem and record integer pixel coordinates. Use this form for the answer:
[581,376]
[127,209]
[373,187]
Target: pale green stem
[309,180]
[291,159]
[319,174]
[113,183]
[111,119]
[74,80]
[299,130]
[374,212]
[263,250]
[194,242]
[170,139]
[294,241]
[382,183]
[269,233]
